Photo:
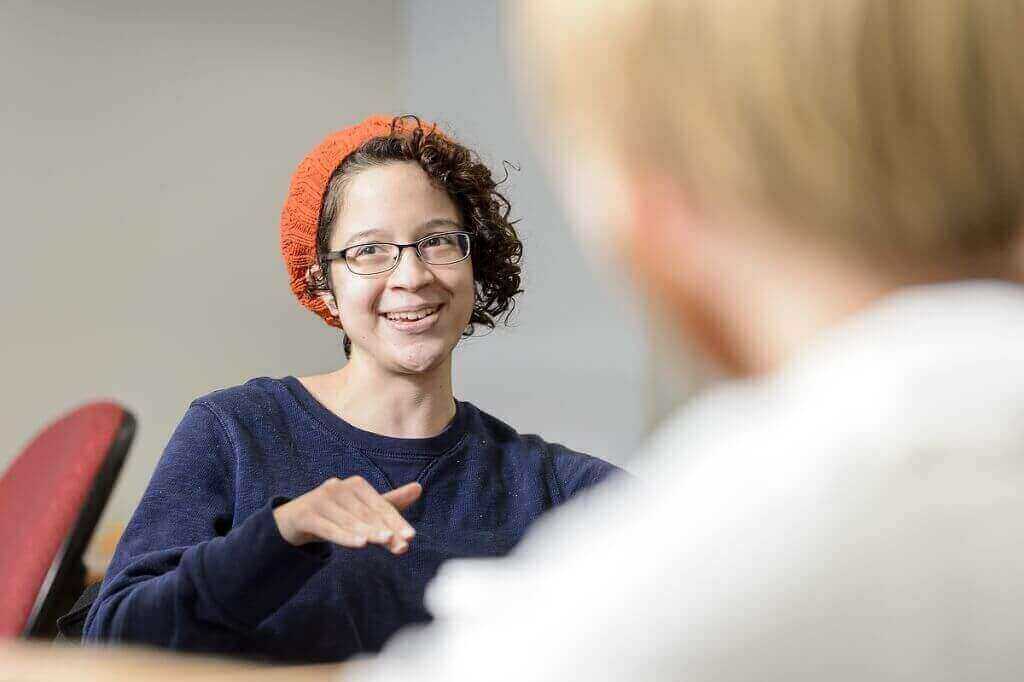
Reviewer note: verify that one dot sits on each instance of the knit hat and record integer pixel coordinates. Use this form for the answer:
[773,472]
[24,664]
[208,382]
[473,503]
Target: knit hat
[301,214]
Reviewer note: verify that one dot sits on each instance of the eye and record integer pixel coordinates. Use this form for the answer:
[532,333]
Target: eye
[440,240]
[366,250]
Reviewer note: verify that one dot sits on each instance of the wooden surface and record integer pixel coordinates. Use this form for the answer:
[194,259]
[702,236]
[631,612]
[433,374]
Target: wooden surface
[22,661]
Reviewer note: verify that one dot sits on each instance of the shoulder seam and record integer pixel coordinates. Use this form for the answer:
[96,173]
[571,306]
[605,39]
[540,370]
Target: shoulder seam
[553,468]
[212,409]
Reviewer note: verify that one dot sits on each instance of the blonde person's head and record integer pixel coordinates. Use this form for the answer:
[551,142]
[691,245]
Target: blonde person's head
[890,128]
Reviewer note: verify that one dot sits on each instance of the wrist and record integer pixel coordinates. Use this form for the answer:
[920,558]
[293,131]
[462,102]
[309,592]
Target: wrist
[287,530]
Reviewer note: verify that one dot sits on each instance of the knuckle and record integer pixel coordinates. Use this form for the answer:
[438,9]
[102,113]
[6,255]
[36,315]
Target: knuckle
[361,483]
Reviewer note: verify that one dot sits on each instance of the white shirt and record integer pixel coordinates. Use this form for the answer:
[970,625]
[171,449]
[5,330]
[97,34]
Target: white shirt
[858,515]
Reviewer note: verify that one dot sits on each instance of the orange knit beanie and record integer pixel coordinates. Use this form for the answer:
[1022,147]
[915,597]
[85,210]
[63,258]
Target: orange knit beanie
[301,214]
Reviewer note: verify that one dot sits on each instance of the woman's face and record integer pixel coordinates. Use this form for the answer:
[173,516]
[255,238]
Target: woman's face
[397,203]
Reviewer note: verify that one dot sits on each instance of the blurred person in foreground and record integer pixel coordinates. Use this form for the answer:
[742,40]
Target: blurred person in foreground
[827,198]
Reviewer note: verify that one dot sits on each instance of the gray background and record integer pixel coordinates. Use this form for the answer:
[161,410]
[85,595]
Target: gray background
[147,149]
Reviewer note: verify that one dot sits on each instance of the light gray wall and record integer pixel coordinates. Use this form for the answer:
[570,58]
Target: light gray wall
[146,152]
[573,367]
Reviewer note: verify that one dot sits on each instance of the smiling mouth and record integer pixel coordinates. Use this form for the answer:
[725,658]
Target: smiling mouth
[412,315]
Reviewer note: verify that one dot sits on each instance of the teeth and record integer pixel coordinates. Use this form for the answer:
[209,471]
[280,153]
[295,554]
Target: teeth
[412,316]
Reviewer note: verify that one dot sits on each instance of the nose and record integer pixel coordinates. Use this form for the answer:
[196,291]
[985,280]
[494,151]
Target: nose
[411,273]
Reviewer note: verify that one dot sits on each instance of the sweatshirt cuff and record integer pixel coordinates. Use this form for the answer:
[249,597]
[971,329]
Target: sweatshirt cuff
[253,570]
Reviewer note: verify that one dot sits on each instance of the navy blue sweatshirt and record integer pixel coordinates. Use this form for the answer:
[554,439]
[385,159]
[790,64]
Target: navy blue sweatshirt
[202,566]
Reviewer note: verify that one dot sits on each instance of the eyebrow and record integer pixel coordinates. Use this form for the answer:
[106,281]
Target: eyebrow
[378,233]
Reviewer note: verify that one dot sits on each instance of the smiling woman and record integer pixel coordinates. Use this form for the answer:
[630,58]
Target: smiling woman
[439,176]
[301,518]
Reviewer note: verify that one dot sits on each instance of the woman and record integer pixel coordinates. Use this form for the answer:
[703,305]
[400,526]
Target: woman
[301,518]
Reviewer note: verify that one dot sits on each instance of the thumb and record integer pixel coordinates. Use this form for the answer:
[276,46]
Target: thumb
[402,497]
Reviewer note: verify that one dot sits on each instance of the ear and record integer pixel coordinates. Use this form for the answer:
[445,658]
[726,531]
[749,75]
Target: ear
[316,284]
[328,298]
[662,234]
[674,255]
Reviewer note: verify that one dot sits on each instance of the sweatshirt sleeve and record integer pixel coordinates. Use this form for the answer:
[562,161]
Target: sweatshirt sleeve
[179,579]
[575,471]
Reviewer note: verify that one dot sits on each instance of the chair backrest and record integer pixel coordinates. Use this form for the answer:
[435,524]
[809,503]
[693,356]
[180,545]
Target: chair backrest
[51,498]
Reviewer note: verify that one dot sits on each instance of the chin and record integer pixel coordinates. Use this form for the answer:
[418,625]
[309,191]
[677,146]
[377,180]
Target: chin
[421,356]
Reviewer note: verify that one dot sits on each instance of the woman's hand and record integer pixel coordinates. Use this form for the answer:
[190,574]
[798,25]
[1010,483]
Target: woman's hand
[349,513]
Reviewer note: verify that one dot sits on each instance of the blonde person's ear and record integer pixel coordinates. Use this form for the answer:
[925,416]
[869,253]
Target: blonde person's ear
[316,283]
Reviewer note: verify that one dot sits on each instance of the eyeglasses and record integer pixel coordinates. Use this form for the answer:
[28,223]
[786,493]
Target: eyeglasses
[374,258]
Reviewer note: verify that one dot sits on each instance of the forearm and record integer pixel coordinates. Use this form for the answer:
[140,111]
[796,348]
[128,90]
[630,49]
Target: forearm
[215,590]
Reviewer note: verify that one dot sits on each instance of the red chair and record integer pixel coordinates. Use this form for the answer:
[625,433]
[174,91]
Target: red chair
[51,498]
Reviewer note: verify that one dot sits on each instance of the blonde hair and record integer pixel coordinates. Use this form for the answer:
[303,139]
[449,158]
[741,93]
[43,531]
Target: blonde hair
[893,127]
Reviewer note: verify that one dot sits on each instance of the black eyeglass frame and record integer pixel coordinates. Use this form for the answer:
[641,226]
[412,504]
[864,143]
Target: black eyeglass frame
[328,256]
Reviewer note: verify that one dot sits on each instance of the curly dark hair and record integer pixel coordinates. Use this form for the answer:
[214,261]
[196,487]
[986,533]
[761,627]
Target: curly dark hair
[496,251]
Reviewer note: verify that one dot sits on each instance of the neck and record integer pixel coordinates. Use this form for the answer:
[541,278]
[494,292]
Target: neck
[798,291]
[788,312]
[403,406]
[781,297]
